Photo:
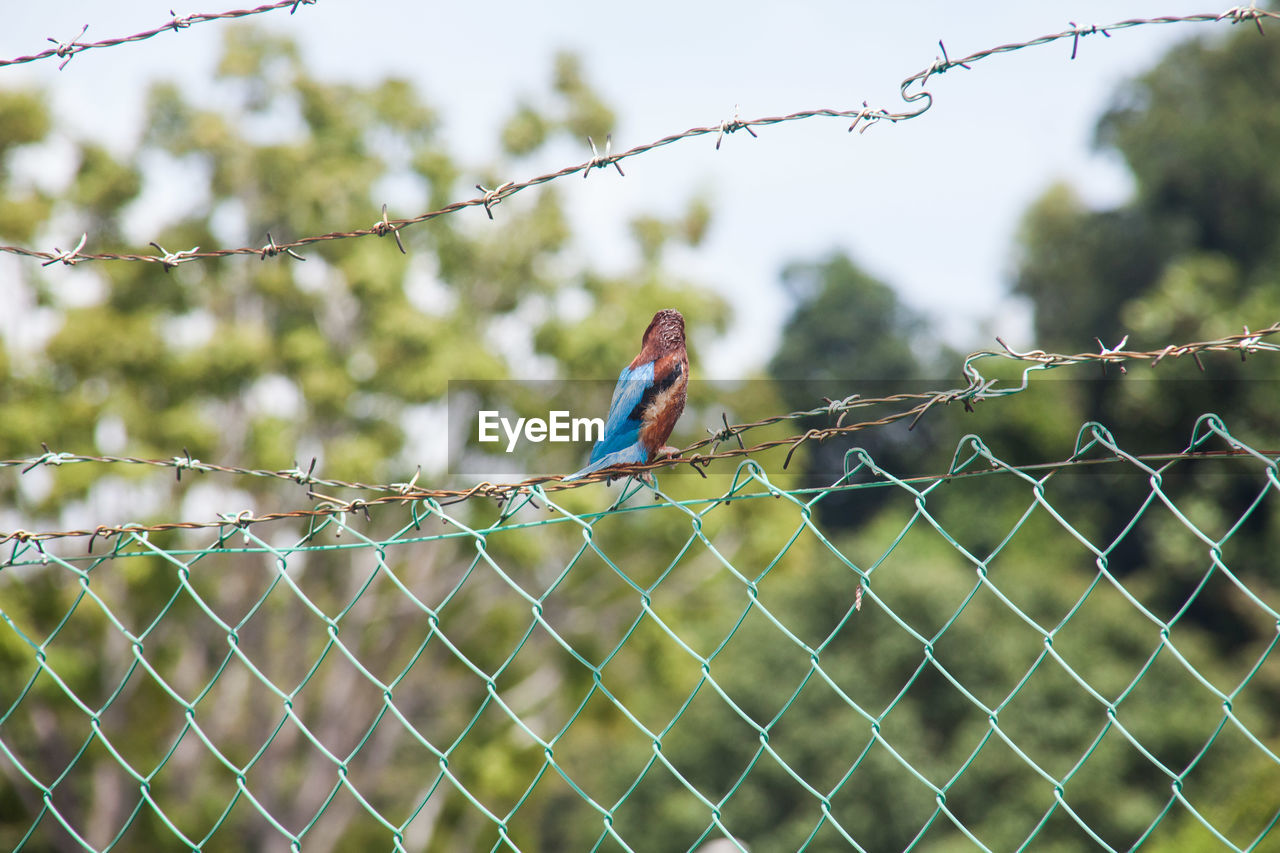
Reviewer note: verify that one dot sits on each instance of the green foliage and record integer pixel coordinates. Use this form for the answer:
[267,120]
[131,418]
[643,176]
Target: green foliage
[587,114]
[267,363]
[845,325]
[24,119]
[524,132]
[20,217]
[656,649]
[1079,267]
[1199,132]
[1191,257]
[577,110]
[652,233]
[341,329]
[850,334]
[103,186]
[1186,260]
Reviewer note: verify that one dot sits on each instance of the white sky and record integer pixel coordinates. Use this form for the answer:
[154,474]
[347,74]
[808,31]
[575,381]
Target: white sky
[929,205]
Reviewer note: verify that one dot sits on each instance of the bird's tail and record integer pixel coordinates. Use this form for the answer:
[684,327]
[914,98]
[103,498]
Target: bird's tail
[626,456]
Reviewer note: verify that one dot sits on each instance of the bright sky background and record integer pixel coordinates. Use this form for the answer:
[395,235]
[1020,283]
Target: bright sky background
[930,205]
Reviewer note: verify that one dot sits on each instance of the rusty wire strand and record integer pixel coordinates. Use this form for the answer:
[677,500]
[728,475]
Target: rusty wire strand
[67,50]
[862,119]
[330,506]
[977,389]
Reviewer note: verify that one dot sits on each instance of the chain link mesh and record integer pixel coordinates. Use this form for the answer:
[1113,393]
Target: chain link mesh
[977,665]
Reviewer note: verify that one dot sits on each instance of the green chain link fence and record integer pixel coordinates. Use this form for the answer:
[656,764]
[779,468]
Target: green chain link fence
[978,667]
[1003,656]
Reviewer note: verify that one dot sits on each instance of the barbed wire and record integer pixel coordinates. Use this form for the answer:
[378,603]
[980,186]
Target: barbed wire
[978,389]
[539,488]
[863,118]
[68,49]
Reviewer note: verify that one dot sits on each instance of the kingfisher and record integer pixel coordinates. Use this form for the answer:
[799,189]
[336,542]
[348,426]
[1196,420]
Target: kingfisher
[648,399]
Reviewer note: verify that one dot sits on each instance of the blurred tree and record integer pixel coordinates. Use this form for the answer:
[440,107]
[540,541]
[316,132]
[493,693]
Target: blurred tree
[846,326]
[849,333]
[1078,267]
[267,364]
[1194,255]
[264,363]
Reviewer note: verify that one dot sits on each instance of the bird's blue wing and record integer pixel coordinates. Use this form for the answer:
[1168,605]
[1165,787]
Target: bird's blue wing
[620,443]
[622,426]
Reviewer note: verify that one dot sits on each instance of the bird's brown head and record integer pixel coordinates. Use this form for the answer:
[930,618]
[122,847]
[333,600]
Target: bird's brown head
[666,330]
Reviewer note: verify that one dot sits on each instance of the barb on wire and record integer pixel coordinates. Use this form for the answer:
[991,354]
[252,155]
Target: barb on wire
[330,506]
[728,126]
[867,117]
[862,118]
[941,65]
[1107,353]
[492,198]
[1081,32]
[271,249]
[67,50]
[601,161]
[385,226]
[70,258]
[172,259]
[696,455]
[1075,33]
[1251,12]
